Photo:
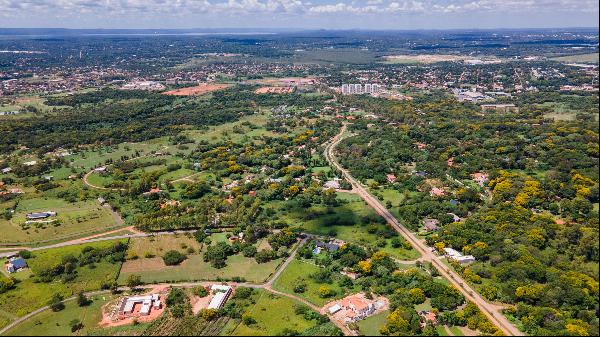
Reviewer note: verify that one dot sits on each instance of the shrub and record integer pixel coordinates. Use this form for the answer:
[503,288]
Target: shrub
[173,258]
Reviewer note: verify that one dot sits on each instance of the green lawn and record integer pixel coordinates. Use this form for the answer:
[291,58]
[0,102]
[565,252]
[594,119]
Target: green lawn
[299,271]
[273,314]
[28,295]
[370,326]
[346,222]
[74,220]
[49,323]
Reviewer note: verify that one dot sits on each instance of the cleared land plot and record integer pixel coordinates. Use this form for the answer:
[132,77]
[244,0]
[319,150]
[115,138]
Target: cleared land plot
[49,323]
[28,295]
[275,90]
[153,269]
[581,58]
[73,220]
[298,272]
[273,314]
[160,244]
[197,90]
[370,326]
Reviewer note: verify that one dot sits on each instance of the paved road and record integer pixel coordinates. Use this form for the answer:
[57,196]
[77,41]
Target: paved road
[487,308]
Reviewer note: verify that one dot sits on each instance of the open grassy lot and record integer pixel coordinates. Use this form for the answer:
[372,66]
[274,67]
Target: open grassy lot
[273,314]
[351,222]
[195,269]
[160,244]
[152,268]
[225,132]
[370,326]
[51,323]
[73,220]
[299,272]
[581,58]
[28,295]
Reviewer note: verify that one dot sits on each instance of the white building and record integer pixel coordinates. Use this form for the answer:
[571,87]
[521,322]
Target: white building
[457,256]
[147,302]
[221,295]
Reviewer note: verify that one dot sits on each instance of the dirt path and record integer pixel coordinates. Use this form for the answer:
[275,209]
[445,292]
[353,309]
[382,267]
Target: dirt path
[427,255]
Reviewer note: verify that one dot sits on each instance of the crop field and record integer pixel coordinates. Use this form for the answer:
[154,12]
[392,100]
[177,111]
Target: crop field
[73,220]
[299,272]
[273,314]
[57,323]
[29,295]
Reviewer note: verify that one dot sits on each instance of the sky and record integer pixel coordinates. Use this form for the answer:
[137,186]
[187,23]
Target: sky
[310,14]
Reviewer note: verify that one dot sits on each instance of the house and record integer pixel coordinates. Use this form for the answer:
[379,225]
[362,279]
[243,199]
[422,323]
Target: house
[332,246]
[40,215]
[16,264]
[480,178]
[431,225]
[153,191]
[30,163]
[437,192]
[221,295]
[357,307]
[457,256]
[390,178]
[6,170]
[427,316]
[335,184]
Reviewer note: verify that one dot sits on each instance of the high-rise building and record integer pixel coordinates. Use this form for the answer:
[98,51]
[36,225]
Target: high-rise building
[345,89]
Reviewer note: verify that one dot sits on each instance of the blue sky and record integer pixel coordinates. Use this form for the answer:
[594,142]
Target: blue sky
[333,14]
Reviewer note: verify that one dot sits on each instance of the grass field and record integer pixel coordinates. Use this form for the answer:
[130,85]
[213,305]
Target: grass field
[273,314]
[51,323]
[160,244]
[299,272]
[193,268]
[370,326]
[344,222]
[581,58]
[28,295]
[74,220]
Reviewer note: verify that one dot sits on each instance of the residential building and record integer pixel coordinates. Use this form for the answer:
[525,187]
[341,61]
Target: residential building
[221,294]
[457,256]
[16,264]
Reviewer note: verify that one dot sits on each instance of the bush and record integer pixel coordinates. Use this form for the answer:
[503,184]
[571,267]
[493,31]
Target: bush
[75,325]
[133,281]
[173,258]
[55,303]
[201,292]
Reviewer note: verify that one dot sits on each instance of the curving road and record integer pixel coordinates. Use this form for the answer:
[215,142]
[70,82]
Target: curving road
[490,310]
[267,286]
